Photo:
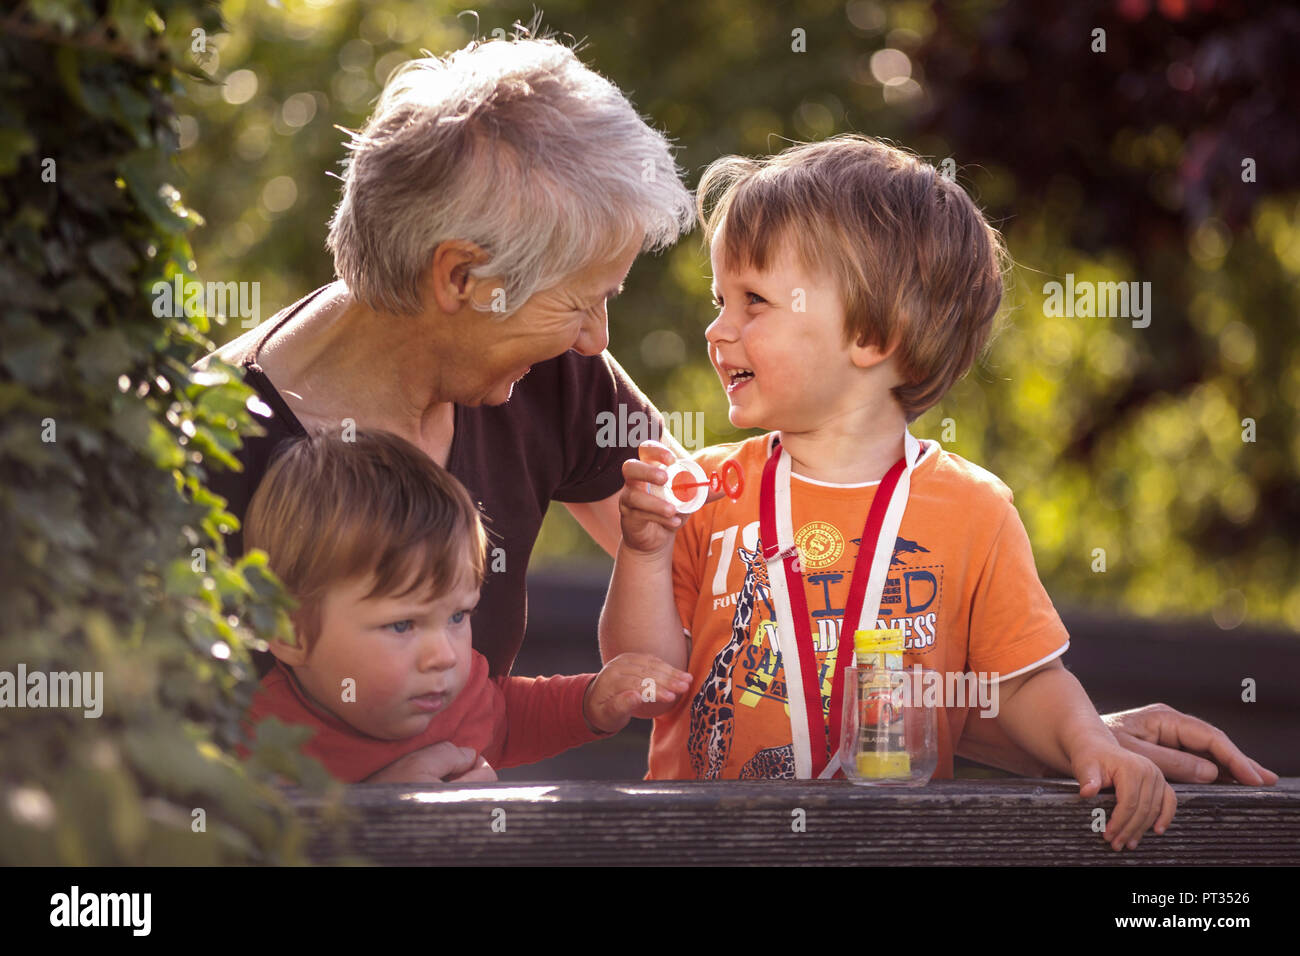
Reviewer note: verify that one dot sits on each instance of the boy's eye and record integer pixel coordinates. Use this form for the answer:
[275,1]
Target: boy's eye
[756,297]
[462,615]
[401,627]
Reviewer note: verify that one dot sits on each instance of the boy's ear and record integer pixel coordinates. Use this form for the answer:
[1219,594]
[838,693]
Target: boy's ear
[291,655]
[869,356]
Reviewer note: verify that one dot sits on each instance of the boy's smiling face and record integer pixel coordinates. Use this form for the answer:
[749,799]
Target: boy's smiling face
[409,656]
[778,345]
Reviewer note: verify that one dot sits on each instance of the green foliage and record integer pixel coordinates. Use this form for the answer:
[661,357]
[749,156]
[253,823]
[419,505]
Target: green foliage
[1107,166]
[113,559]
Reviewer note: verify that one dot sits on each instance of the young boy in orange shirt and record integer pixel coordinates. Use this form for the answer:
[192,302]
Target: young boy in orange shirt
[384,552]
[854,285]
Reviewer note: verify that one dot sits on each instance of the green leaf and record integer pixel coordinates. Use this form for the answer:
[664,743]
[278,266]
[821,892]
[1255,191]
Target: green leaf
[103,356]
[148,176]
[115,261]
[14,145]
[64,14]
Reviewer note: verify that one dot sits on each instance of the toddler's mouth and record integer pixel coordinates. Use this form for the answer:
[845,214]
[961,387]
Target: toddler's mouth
[430,703]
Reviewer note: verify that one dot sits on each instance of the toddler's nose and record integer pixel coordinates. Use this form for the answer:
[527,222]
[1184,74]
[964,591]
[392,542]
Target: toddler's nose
[437,653]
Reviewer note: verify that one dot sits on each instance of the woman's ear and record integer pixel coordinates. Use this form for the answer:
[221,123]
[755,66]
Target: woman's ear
[449,273]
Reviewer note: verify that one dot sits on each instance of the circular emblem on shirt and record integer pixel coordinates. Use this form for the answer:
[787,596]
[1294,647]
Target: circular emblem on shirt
[820,545]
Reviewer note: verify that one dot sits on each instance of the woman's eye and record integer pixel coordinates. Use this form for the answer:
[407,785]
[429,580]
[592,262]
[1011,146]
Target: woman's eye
[401,627]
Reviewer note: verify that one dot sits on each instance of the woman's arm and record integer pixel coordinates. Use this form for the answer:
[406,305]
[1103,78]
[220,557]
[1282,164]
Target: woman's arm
[600,520]
[1170,739]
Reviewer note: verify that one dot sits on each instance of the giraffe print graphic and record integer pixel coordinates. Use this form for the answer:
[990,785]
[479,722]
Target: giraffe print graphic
[713,711]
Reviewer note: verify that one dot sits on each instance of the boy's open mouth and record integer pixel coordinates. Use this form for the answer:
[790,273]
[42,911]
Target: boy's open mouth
[738,377]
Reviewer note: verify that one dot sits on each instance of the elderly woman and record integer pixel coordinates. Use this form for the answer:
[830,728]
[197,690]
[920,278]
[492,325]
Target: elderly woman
[492,207]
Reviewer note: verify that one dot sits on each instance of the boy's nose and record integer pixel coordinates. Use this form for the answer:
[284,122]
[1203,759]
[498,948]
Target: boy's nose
[720,329]
[437,654]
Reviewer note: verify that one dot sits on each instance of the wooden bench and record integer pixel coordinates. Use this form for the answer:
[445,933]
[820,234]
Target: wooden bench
[959,822]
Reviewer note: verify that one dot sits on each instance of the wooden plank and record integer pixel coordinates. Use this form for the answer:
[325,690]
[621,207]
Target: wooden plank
[1012,822]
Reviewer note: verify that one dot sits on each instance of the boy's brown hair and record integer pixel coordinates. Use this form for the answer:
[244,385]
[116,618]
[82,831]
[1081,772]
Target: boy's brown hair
[330,510]
[916,264]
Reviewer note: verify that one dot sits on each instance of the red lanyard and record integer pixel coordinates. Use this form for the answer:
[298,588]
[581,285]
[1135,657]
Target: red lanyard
[821,733]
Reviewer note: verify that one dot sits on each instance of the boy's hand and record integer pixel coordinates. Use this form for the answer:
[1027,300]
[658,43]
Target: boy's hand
[649,522]
[481,771]
[633,685]
[434,764]
[1142,796]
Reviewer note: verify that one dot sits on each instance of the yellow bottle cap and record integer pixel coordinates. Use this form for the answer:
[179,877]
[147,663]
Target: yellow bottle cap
[886,641]
[886,766]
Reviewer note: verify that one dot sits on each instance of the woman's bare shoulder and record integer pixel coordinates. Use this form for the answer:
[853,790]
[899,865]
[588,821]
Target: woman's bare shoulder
[302,316]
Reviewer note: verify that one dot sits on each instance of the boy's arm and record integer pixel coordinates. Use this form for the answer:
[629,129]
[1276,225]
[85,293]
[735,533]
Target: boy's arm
[640,612]
[984,741]
[547,715]
[544,717]
[1048,714]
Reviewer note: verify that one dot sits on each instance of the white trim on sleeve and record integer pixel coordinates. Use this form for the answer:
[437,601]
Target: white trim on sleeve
[1052,656]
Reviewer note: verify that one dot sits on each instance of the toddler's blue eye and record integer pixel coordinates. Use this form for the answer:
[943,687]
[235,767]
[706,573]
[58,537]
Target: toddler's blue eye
[755,295]
[461,616]
[401,627]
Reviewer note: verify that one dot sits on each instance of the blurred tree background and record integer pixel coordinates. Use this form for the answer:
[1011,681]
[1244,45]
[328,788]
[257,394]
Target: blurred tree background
[1118,156]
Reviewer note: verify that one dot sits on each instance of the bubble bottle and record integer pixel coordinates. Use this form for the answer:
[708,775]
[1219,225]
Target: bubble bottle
[890,735]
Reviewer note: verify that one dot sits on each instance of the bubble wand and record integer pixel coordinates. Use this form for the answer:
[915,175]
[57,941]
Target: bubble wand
[728,479]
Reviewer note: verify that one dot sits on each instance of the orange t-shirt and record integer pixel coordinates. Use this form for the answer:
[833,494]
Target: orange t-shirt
[962,587]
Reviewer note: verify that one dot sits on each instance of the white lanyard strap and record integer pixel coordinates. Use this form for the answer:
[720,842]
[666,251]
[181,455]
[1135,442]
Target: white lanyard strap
[786,633]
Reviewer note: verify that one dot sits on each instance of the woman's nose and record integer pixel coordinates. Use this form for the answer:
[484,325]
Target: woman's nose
[594,337]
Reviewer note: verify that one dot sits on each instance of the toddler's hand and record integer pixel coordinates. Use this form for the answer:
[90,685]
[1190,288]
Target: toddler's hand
[633,685]
[648,521]
[481,771]
[1142,796]
[433,764]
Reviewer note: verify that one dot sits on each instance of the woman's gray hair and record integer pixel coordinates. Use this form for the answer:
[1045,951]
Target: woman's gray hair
[514,145]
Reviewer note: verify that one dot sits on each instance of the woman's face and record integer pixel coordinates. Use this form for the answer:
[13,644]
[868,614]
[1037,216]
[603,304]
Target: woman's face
[492,354]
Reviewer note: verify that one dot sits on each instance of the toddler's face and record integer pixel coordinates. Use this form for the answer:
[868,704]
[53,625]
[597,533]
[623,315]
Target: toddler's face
[409,657]
[785,328]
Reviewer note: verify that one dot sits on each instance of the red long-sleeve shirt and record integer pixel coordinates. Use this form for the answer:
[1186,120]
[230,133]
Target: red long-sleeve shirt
[511,721]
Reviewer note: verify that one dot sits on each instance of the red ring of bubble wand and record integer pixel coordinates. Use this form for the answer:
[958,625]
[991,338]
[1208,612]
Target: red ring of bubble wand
[729,479]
